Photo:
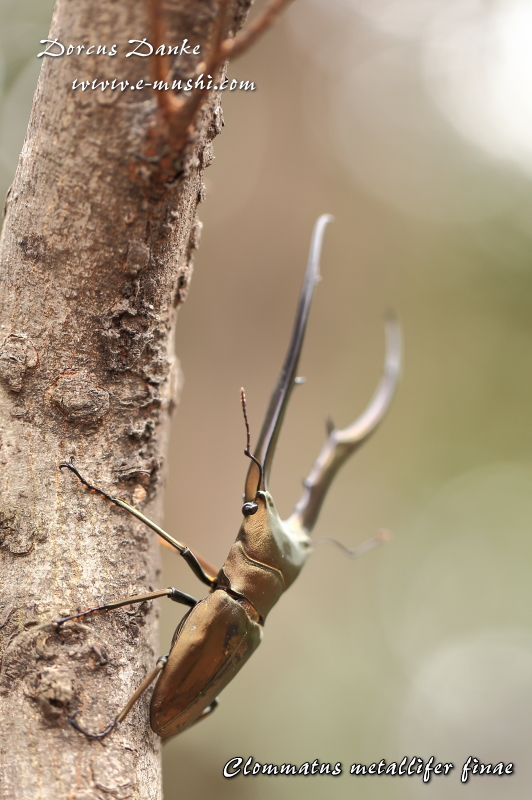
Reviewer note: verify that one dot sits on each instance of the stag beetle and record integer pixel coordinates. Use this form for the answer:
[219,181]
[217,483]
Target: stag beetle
[220,632]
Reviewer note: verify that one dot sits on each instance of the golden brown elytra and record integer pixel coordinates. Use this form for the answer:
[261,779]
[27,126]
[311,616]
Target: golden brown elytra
[219,633]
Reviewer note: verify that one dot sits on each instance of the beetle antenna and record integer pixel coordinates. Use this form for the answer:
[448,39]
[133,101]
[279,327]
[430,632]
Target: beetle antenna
[247,451]
[244,409]
[381,537]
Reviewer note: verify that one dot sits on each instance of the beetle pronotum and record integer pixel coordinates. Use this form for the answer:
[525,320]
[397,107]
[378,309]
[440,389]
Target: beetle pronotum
[220,632]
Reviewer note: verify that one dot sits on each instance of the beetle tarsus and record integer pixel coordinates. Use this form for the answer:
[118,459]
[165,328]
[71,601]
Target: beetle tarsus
[186,599]
[75,724]
[60,622]
[139,691]
[70,465]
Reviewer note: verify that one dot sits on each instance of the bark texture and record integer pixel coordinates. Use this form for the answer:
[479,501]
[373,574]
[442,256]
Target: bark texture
[95,258]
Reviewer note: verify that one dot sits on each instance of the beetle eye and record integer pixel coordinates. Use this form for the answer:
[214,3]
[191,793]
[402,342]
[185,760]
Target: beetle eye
[249,508]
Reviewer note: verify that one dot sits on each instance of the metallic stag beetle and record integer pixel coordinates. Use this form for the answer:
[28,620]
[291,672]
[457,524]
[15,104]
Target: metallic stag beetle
[219,633]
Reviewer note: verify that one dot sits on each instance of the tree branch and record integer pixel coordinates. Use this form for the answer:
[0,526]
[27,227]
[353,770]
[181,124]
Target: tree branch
[96,256]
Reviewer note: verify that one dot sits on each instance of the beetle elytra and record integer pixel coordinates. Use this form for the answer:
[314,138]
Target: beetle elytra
[220,632]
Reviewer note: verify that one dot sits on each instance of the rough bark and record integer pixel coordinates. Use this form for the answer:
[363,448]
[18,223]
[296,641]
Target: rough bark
[95,258]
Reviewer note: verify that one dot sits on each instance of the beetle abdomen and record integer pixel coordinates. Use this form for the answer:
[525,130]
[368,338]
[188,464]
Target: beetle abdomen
[216,639]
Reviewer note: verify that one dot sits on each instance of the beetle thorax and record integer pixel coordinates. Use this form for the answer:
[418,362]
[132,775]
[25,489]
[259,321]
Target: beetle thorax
[265,559]
[269,540]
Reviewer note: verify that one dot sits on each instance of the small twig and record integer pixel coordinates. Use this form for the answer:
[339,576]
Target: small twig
[191,106]
[159,65]
[181,112]
[231,48]
[169,104]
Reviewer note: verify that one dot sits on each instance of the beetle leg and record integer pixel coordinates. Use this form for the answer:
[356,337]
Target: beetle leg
[196,567]
[171,593]
[199,566]
[207,711]
[381,537]
[148,680]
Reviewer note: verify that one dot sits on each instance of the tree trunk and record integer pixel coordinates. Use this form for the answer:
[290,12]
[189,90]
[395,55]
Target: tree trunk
[96,256]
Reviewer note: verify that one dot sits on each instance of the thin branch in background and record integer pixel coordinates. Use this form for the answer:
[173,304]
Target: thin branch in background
[214,62]
[180,113]
[231,48]
[169,104]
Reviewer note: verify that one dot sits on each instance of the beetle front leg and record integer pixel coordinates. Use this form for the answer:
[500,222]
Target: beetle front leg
[199,565]
[194,563]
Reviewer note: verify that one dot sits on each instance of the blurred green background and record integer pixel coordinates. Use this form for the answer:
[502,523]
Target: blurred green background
[411,122]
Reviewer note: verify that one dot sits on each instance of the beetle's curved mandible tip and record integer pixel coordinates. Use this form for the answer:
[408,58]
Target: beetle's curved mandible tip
[394,345]
[324,219]
[341,443]
[317,241]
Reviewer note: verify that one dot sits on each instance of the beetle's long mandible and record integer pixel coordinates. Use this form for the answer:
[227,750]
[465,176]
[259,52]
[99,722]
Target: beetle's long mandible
[340,443]
[273,421]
